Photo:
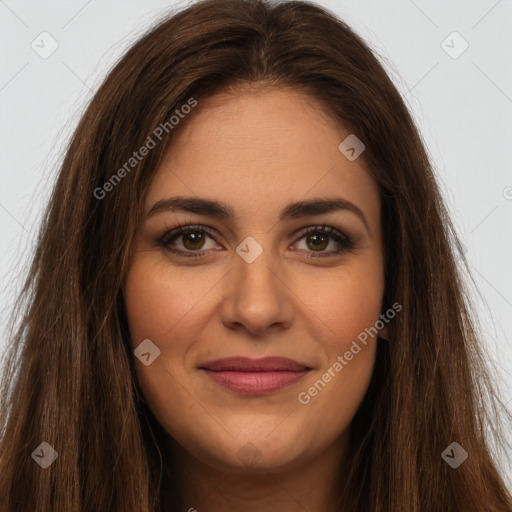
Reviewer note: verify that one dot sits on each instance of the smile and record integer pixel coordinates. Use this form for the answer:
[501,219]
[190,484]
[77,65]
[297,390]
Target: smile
[254,376]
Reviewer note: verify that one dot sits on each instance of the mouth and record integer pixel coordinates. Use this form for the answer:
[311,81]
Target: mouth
[248,376]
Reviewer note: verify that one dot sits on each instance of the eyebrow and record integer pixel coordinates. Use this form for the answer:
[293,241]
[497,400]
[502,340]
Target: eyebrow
[217,209]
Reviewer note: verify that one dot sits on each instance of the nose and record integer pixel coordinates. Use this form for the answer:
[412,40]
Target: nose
[256,298]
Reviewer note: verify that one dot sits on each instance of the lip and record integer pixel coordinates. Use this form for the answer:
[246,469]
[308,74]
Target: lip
[247,364]
[248,376]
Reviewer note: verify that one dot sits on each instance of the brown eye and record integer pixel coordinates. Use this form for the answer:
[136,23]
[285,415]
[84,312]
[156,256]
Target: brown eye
[193,240]
[317,241]
[318,238]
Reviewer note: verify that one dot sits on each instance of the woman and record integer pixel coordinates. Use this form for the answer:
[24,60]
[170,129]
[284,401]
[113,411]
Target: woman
[245,293]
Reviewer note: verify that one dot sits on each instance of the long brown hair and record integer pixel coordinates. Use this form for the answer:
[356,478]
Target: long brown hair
[70,378]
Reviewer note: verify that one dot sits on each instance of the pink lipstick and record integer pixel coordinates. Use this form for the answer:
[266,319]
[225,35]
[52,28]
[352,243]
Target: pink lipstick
[255,376]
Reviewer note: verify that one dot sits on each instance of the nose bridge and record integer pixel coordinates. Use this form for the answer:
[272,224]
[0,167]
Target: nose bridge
[256,297]
[257,276]
[254,260]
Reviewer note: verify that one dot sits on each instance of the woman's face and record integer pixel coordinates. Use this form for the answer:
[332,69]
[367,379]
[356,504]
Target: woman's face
[261,286]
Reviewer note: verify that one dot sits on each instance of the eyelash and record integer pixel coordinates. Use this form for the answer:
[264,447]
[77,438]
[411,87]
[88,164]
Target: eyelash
[344,241]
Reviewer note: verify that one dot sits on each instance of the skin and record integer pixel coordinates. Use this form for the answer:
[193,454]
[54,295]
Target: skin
[257,151]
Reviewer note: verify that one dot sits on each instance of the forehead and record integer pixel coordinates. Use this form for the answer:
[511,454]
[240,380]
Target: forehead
[259,150]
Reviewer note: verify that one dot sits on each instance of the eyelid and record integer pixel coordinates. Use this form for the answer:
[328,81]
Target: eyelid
[344,241]
[171,233]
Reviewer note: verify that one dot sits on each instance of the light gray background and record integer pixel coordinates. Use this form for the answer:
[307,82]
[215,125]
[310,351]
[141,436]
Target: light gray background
[463,107]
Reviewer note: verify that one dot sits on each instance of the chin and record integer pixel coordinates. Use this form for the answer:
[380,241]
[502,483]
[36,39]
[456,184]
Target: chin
[259,450]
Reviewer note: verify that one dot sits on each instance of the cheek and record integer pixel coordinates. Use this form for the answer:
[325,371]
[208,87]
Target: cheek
[169,309]
[336,390]
[346,308]
[159,310]
[333,397]
[163,305]
[341,305]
